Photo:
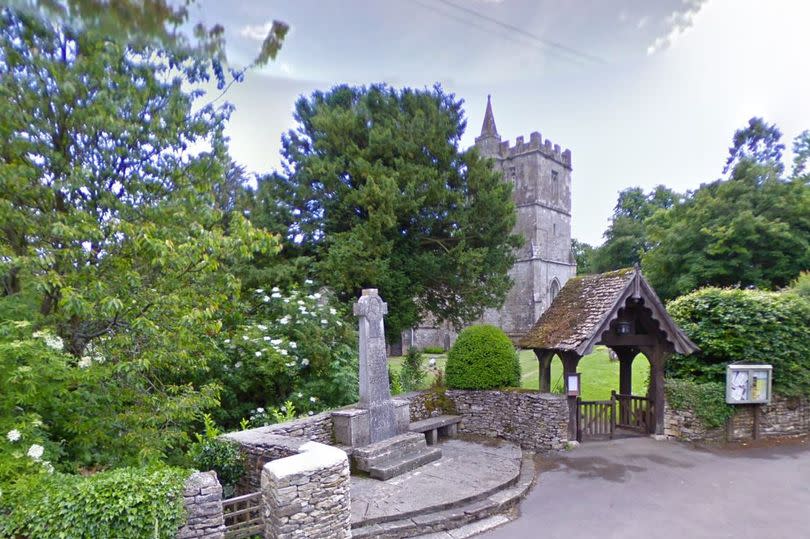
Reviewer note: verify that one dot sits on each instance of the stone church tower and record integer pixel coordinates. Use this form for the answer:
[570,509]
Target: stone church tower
[540,174]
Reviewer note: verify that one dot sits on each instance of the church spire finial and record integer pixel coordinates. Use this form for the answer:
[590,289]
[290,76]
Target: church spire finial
[488,129]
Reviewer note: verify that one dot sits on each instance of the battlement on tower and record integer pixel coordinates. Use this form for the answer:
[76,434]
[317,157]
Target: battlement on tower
[535,143]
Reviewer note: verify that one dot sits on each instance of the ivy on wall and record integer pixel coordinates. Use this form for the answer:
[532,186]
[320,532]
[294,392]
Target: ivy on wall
[706,400]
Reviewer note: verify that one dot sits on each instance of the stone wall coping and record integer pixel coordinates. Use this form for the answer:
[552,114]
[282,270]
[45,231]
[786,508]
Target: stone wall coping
[350,412]
[312,456]
[260,437]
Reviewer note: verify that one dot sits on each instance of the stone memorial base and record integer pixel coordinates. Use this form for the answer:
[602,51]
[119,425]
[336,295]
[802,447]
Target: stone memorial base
[353,425]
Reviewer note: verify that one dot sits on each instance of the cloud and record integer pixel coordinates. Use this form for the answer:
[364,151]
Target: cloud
[256,32]
[679,22]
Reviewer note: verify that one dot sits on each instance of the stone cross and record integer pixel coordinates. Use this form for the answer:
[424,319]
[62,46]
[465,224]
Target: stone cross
[375,393]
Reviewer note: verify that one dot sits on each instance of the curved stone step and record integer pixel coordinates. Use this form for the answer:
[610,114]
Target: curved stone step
[437,520]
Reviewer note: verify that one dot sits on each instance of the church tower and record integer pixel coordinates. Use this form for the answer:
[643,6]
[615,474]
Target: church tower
[540,174]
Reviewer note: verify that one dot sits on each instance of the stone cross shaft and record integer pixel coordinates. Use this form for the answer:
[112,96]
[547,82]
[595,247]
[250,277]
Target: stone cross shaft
[375,393]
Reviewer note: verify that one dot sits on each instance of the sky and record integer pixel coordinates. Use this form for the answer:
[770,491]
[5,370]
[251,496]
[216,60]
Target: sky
[642,92]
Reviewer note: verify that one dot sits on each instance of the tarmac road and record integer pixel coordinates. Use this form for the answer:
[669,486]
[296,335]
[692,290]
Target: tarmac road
[642,488]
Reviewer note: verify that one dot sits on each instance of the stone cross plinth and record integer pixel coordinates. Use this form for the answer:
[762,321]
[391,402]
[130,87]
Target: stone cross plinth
[375,393]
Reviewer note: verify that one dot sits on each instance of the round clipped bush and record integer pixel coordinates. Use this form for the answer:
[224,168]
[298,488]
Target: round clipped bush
[482,358]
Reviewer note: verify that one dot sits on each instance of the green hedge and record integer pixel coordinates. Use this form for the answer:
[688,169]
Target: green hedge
[707,400]
[483,357]
[123,503]
[733,325]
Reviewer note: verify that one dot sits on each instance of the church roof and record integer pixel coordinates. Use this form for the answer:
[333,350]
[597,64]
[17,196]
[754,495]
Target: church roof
[488,128]
[587,305]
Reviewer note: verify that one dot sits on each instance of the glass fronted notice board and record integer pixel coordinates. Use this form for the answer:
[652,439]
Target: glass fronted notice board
[748,384]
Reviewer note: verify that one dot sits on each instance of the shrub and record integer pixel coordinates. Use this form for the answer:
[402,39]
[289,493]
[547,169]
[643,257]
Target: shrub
[801,286]
[123,503]
[412,375]
[210,452]
[433,350]
[394,381]
[294,347]
[707,400]
[731,325]
[483,357]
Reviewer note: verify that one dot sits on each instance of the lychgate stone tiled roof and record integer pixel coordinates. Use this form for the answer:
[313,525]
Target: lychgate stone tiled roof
[584,307]
[577,310]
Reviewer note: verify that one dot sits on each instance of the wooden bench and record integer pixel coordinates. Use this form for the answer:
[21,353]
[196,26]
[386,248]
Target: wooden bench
[432,427]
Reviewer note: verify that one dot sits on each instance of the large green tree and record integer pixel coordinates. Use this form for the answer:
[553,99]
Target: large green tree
[752,230]
[109,225]
[626,238]
[377,193]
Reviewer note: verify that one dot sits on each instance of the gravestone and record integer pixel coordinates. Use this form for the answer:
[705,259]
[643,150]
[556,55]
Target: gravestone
[375,392]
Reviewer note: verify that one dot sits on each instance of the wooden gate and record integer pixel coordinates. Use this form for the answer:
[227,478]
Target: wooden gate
[635,413]
[243,516]
[597,419]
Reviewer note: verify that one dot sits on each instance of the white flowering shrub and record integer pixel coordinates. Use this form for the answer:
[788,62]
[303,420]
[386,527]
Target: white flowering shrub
[34,378]
[295,350]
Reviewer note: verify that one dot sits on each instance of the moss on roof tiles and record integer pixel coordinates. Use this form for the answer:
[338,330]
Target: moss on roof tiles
[577,310]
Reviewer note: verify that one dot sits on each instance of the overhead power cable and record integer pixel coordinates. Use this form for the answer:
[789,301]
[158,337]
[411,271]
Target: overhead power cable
[545,42]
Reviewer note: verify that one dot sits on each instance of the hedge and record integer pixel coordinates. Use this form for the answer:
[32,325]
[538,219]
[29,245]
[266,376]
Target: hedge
[482,357]
[732,325]
[123,503]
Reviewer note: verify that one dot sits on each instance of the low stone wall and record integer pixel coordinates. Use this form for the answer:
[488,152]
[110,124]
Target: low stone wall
[203,500]
[782,417]
[307,495]
[536,421]
[264,444]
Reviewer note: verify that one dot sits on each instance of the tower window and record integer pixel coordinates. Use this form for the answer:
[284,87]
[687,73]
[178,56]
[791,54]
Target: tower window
[555,184]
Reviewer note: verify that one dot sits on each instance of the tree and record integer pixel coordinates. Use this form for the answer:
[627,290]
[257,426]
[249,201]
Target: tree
[583,252]
[801,153]
[151,23]
[626,238]
[752,230]
[378,194]
[758,142]
[108,223]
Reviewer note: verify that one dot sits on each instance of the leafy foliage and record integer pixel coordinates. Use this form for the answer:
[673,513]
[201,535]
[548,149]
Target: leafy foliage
[433,350]
[110,233]
[293,346]
[377,193]
[626,238]
[751,230]
[156,23]
[707,400]
[801,286]
[210,452]
[733,325]
[482,357]
[412,374]
[126,503]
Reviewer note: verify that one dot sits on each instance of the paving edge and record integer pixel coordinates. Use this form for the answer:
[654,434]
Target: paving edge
[457,522]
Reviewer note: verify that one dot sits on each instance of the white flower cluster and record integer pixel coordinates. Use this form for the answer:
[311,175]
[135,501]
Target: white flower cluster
[51,340]
[13,435]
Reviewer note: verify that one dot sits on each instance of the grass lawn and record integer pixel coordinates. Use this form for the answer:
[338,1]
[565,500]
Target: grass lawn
[599,374]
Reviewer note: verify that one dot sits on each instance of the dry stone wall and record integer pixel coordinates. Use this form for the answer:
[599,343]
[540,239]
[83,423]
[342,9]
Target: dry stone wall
[264,444]
[307,495]
[782,417]
[536,421]
[202,497]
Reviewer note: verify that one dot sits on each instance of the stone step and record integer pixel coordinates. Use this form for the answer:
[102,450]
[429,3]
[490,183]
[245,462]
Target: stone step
[399,464]
[455,521]
[366,457]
